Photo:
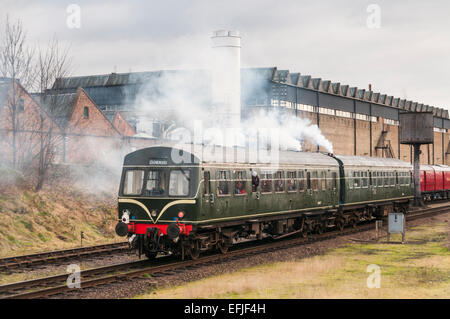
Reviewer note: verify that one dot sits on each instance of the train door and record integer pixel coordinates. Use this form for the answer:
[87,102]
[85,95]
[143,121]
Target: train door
[223,194]
[207,198]
[255,192]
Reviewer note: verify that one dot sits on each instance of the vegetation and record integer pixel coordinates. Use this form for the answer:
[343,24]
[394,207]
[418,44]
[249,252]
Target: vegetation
[420,269]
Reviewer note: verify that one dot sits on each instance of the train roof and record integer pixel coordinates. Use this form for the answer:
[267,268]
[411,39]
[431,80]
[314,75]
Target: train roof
[372,161]
[200,154]
[197,154]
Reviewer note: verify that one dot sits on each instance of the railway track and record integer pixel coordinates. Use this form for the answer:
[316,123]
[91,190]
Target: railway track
[56,285]
[30,261]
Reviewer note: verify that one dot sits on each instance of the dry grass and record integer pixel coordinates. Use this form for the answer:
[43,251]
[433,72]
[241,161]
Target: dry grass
[407,271]
[53,219]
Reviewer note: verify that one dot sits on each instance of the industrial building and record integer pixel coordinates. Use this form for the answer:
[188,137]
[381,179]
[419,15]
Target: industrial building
[356,121]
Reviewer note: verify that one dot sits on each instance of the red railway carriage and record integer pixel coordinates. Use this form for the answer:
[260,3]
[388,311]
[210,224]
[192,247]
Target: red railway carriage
[435,182]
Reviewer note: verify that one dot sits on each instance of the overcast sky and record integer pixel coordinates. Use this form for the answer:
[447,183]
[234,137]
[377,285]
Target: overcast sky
[408,56]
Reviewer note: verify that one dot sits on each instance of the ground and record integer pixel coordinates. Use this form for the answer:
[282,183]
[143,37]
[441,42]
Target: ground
[54,217]
[418,269]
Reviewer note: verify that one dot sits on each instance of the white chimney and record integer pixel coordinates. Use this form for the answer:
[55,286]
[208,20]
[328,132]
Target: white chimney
[226,76]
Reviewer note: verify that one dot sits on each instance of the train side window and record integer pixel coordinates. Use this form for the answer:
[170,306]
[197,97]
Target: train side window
[386,179]
[308,180]
[392,178]
[266,182]
[323,180]
[356,180]
[207,183]
[350,180]
[301,181]
[334,180]
[240,182]
[380,179]
[315,181]
[291,181]
[279,182]
[364,179]
[223,178]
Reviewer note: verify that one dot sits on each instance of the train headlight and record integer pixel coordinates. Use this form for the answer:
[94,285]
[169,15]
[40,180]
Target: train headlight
[154,213]
[126,216]
[180,214]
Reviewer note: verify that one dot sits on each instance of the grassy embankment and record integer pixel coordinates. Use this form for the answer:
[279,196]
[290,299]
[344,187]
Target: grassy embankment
[54,217]
[420,269]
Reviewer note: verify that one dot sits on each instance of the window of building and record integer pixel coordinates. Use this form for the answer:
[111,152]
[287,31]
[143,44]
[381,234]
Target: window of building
[291,181]
[86,112]
[324,110]
[21,106]
[223,179]
[279,182]
[240,182]
[343,114]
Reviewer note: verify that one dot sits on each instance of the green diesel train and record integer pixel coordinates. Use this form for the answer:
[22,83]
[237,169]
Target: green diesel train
[189,199]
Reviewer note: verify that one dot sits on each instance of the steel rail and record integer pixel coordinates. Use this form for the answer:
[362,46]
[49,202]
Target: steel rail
[58,255]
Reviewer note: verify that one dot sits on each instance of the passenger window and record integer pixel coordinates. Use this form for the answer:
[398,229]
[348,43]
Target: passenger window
[240,182]
[392,178]
[334,180]
[315,181]
[223,178]
[266,182]
[356,180]
[386,179]
[279,182]
[301,181]
[291,181]
[364,180]
[350,180]
[207,183]
[323,180]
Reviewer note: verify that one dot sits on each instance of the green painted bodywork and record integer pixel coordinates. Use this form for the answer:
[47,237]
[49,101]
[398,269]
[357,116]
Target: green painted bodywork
[214,208]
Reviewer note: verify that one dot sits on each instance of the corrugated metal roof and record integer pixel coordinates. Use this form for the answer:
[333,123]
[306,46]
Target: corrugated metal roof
[58,106]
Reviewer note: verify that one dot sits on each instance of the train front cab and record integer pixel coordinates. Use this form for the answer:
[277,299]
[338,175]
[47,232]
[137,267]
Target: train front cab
[157,200]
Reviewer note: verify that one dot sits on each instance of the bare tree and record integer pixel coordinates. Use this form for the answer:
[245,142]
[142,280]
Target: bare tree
[15,63]
[53,62]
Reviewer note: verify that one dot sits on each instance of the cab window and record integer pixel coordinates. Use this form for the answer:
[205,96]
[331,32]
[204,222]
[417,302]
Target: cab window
[179,183]
[156,183]
[132,184]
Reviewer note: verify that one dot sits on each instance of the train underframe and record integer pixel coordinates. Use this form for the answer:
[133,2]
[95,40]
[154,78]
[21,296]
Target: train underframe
[178,241]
